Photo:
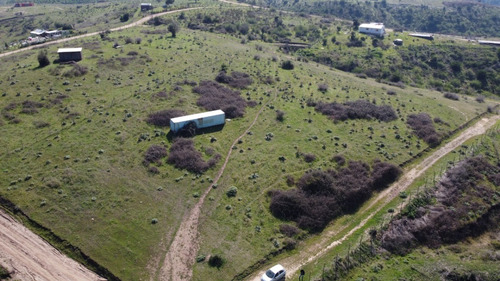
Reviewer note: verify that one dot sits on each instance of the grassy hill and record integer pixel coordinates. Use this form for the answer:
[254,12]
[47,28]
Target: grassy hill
[74,140]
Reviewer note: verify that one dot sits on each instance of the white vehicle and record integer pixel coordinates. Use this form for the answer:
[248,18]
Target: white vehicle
[275,273]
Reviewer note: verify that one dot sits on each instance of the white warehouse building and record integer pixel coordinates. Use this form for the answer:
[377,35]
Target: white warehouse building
[373,28]
[202,120]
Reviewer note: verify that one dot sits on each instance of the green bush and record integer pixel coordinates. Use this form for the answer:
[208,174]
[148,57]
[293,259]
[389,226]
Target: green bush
[232,191]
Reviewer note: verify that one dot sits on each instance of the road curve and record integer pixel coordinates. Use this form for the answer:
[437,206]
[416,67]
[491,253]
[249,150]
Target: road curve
[62,40]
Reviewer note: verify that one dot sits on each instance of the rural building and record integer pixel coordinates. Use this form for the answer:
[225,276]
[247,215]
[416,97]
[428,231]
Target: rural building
[27,4]
[202,120]
[421,35]
[69,54]
[491,43]
[46,33]
[398,42]
[146,6]
[373,28]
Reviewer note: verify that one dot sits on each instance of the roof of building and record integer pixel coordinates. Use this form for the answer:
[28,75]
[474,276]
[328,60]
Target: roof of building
[145,4]
[69,50]
[372,25]
[197,116]
[38,31]
[53,31]
[488,42]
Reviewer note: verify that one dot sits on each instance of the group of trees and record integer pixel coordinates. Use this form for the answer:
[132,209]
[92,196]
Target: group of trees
[466,18]
[321,196]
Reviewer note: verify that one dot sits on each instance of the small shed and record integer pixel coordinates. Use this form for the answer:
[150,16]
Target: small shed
[201,120]
[373,28]
[398,42]
[146,7]
[69,54]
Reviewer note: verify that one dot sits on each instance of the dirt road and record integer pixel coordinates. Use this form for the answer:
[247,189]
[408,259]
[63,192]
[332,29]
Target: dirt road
[30,257]
[181,255]
[136,23]
[294,263]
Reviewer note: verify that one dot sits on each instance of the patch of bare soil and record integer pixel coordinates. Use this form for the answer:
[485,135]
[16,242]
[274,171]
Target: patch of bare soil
[29,257]
[294,263]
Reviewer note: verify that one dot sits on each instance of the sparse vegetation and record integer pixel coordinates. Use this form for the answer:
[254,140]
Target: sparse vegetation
[360,109]
[183,155]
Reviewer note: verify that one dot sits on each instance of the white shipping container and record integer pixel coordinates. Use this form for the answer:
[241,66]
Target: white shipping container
[202,120]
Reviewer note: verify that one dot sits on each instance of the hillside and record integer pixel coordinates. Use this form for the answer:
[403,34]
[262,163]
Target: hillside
[77,150]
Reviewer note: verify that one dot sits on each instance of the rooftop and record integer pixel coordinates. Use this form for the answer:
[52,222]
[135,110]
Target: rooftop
[197,116]
[69,50]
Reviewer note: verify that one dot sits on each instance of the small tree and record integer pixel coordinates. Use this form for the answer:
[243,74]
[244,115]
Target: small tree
[287,65]
[169,2]
[124,17]
[173,28]
[43,60]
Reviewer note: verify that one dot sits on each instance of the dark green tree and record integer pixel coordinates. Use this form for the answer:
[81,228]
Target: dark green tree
[169,2]
[173,28]
[124,17]
[43,60]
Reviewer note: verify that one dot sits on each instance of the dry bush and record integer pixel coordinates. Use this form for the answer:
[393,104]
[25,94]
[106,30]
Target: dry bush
[321,196]
[289,230]
[40,124]
[154,154]
[76,71]
[309,157]
[459,207]
[424,128]
[238,80]
[162,118]
[451,96]
[360,109]
[214,96]
[183,155]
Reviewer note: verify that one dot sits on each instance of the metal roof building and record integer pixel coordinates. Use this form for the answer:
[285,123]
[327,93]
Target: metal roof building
[373,28]
[69,54]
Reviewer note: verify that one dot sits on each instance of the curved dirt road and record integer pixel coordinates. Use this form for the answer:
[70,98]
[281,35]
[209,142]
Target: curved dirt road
[135,23]
[307,255]
[30,257]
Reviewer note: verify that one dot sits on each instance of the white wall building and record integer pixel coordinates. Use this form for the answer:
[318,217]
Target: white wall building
[373,28]
[202,120]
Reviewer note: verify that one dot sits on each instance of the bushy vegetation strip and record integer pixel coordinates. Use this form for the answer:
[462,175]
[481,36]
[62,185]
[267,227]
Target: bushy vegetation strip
[322,196]
[423,127]
[61,244]
[360,109]
[466,204]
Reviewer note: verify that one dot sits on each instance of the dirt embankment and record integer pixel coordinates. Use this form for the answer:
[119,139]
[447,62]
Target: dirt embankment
[29,257]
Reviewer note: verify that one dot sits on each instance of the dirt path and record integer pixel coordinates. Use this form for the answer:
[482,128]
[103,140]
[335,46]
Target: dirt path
[181,255]
[30,257]
[294,263]
[135,23]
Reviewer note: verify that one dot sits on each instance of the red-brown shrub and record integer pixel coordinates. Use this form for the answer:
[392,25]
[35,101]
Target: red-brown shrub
[214,96]
[162,118]
[154,154]
[238,80]
[360,109]
[323,195]
[183,155]
[424,128]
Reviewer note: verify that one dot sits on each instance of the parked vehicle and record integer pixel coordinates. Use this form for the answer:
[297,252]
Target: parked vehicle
[275,273]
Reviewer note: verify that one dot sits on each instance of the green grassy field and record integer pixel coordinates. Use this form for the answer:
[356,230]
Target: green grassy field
[81,173]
